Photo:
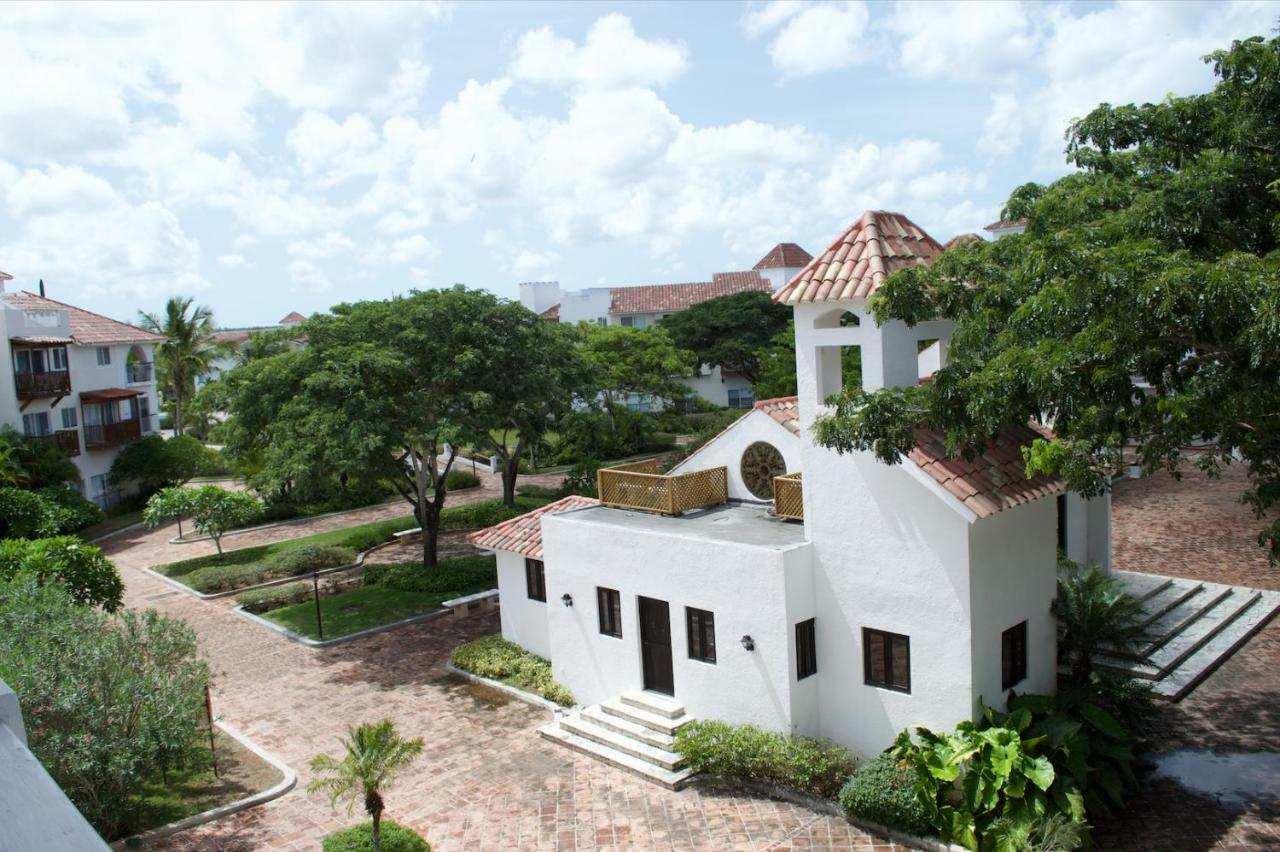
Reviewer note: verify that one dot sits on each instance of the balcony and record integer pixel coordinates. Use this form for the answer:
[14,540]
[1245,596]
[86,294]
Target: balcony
[67,440]
[35,385]
[638,485]
[140,372]
[788,497]
[107,435]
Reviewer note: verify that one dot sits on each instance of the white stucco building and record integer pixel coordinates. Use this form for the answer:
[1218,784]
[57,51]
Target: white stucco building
[78,379]
[639,306]
[889,596]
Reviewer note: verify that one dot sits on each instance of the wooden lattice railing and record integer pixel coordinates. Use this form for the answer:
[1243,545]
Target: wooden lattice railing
[788,497]
[638,485]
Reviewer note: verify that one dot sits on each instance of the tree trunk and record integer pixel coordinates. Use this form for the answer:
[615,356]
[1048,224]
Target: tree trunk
[217,542]
[510,472]
[179,526]
[373,804]
[177,412]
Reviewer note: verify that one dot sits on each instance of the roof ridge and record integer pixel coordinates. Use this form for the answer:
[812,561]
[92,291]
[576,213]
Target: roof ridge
[90,313]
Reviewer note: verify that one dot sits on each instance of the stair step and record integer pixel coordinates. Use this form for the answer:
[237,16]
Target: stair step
[1199,665]
[597,716]
[1179,619]
[652,721]
[1144,587]
[672,780]
[1173,652]
[1169,597]
[587,729]
[655,704]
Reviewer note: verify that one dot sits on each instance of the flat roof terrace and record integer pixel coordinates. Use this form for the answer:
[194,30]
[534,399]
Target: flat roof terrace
[742,524]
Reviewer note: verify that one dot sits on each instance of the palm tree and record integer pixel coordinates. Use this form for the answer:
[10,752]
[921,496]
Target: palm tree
[375,754]
[188,350]
[11,470]
[1095,615]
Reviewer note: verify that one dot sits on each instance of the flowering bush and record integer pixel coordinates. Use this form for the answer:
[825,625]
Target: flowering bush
[89,577]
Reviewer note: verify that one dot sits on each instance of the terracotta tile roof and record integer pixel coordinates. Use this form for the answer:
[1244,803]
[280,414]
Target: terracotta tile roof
[658,298]
[856,264]
[293,318]
[1001,224]
[103,394]
[40,340]
[785,410]
[784,255]
[961,239]
[552,313]
[4,276]
[992,482]
[87,328]
[523,535]
[236,337]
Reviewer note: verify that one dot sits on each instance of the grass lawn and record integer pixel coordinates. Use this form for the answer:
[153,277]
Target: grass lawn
[194,790]
[110,525]
[361,609]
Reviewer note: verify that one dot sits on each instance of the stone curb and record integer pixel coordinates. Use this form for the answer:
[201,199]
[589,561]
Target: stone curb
[527,697]
[115,533]
[287,522]
[293,636]
[284,786]
[279,581]
[711,783]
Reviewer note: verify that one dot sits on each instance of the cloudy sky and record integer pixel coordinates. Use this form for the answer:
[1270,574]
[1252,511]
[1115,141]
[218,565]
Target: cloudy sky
[266,158]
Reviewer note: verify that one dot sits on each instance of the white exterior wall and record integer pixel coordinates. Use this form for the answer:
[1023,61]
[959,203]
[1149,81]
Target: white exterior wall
[744,586]
[712,385]
[590,305]
[538,296]
[727,448]
[1013,578]
[779,276]
[524,621]
[1088,530]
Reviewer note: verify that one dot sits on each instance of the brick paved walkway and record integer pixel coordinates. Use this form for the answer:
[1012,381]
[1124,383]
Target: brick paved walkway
[486,781]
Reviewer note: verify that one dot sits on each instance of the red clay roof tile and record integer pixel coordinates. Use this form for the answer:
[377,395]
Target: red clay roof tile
[523,534]
[784,255]
[657,298]
[783,409]
[87,328]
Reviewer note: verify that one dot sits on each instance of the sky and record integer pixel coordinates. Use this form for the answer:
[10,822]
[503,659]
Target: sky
[264,158]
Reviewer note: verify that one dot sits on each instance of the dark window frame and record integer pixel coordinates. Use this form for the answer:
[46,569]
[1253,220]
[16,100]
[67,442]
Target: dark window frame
[535,580]
[609,610]
[806,649]
[892,680]
[700,628]
[1013,656]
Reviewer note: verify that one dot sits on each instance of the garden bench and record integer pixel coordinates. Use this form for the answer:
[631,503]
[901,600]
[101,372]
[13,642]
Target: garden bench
[464,606]
[407,535]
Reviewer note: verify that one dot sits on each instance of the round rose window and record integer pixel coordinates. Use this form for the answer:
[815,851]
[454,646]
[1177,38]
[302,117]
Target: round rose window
[761,462]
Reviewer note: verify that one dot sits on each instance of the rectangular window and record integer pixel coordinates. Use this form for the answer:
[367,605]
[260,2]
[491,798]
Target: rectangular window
[36,424]
[741,398]
[701,626]
[104,356]
[535,580]
[1062,523]
[629,322]
[886,659]
[98,484]
[1013,656]
[144,412]
[609,604]
[806,649]
[58,359]
[68,418]
[22,361]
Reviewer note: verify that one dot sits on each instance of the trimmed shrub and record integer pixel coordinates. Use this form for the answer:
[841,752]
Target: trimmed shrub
[486,513]
[274,597]
[79,512]
[884,792]
[496,658]
[813,766]
[26,514]
[88,576]
[371,535]
[450,575]
[306,558]
[460,480]
[540,492]
[359,838]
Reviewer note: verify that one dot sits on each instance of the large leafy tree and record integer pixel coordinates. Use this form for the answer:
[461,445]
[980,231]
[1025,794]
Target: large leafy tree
[729,332]
[1141,306]
[188,351]
[643,361]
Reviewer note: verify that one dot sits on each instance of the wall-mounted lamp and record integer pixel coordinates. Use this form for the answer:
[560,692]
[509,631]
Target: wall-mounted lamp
[566,599]
[748,643]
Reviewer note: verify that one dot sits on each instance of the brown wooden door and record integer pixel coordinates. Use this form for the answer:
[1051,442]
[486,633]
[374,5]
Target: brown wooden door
[655,645]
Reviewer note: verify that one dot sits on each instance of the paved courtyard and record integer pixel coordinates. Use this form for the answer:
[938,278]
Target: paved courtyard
[486,781]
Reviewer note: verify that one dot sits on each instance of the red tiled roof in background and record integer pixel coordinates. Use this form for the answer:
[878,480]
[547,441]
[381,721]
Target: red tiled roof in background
[236,337]
[856,264]
[552,313]
[1001,224]
[293,318]
[657,298]
[961,239]
[87,328]
[784,255]
[4,276]
[995,480]
[523,534]
[785,410]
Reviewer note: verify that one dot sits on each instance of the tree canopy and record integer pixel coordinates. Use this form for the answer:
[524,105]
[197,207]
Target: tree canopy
[188,350]
[643,361]
[730,331]
[1141,307]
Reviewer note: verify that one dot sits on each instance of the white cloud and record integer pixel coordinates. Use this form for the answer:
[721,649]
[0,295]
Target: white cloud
[232,261]
[308,277]
[534,263]
[962,40]
[331,152]
[413,250]
[612,56]
[822,38]
[326,247]
[1002,128]
[762,17]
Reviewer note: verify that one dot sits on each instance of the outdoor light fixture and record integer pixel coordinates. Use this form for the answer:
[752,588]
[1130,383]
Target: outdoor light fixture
[748,643]
[566,599]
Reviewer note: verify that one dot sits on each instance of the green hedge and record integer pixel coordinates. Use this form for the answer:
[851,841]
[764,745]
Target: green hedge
[746,751]
[290,562]
[884,792]
[274,597]
[448,575]
[496,658]
[486,513]
[460,480]
[359,838]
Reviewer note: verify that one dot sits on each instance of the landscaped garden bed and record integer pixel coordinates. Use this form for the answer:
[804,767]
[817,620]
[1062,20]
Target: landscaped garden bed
[497,659]
[384,595]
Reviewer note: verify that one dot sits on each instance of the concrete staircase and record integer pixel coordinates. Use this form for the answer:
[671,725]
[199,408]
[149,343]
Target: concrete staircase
[1194,627]
[634,732]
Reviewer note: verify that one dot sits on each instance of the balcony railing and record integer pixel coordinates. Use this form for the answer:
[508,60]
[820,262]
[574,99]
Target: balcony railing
[139,372]
[638,485]
[112,434]
[788,497]
[67,440]
[53,383]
